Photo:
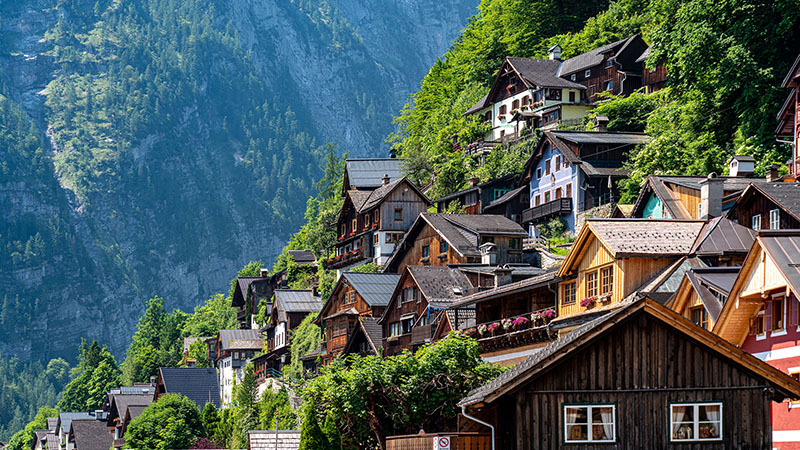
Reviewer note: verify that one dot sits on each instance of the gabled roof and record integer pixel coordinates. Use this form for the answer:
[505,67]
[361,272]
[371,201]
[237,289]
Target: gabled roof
[541,73]
[592,58]
[565,346]
[784,194]
[52,423]
[544,279]
[240,340]
[303,257]
[441,285]
[65,419]
[240,292]
[367,173]
[375,288]
[507,197]
[121,403]
[91,435]
[601,137]
[644,55]
[372,332]
[295,301]
[720,278]
[377,196]
[52,441]
[722,236]
[786,83]
[135,411]
[198,384]
[659,185]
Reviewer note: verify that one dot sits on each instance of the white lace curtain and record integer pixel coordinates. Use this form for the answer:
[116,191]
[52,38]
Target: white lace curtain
[607,414]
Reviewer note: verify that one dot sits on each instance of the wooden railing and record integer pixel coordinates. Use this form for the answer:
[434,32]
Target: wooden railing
[346,259]
[555,207]
[421,334]
[532,331]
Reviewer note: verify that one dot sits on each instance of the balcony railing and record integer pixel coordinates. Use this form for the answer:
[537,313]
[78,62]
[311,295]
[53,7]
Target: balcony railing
[346,259]
[421,334]
[516,331]
[539,213]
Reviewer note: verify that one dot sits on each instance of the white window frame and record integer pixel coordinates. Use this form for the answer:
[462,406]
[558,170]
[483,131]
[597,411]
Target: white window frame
[588,73]
[696,423]
[589,422]
[775,219]
[755,222]
[573,77]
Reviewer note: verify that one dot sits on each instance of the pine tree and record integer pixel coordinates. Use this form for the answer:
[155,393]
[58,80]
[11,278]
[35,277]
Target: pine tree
[311,435]
[209,418]
[332,432]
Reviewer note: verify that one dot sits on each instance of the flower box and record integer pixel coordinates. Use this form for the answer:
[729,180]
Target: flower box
[604,298]
[507,324]
[520,322]
[483,329]
[588,302]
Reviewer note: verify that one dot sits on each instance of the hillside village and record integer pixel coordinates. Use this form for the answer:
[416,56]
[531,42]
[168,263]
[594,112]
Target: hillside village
[673,319]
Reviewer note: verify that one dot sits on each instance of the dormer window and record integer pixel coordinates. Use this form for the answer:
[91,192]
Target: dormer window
[588,73]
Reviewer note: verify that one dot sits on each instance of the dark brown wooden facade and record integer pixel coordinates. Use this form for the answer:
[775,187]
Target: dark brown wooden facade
[754,208]
[640,363]
[478,196]
[654,80]
[407,307]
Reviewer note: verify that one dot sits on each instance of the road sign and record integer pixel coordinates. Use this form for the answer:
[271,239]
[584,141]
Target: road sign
[441,443]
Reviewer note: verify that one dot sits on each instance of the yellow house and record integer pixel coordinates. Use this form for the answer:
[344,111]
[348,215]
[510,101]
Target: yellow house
[613,258]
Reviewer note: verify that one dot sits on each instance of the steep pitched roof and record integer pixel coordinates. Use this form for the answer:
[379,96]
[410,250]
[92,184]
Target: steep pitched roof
[583,336]
[784,249]
[303,257]
[644,55]
[590,58]
[375,288]
[240,292]
[368,173]
[372,332]
[199,384]
[507,289]
[91,435]
[541,72]
[659,186]
[377,196]
[52,423]
[121,403]
[441,285]
[784,194]
[721,278]
[240,339]
[646,237]
[722,236]
[65,419]
[135,411]
[52,441]
[507,197]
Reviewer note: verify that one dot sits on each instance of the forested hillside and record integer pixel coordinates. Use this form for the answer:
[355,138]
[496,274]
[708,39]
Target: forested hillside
[725,62]
[152,147]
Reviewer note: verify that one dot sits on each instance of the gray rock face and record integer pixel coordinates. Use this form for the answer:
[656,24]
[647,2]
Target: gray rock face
[115,250]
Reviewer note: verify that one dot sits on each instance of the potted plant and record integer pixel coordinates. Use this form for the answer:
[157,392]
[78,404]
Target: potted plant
[537,319]
[507,324]
[548,315]
[469,332]
[520,322]
[493,327]
[483,329]
[588,302]
[605,298]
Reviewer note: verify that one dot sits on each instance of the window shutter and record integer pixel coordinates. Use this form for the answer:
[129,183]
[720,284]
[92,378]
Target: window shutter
[752,327]
[794,310]
[768,317]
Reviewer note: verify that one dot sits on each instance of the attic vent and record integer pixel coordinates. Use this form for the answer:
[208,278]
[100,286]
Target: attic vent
[458,291]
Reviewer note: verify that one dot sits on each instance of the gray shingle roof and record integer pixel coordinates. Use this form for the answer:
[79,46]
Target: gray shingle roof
[602,137]
[135,411]
[66,418]
[590,58]
[640,237]
[358,198]
[198,384]
[91,435]
[375,288]
[785,194]
[722,236]
[440,285]
[240,339]
[644,55]
[121,403]
[478,106]
[784,249]
[511,288]
[507,197]
[52,423]
[542,72]
[297,300]
[368,173]
[52,442]
[303,257]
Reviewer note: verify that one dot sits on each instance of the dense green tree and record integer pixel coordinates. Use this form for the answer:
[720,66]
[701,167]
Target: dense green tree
[273,402]
[210,317]
[302,340]
[198,350]
[23,439]
[311,435]
[97,372]
[156,343]
[171,422]
[25,387]
[209,417]
[332,433]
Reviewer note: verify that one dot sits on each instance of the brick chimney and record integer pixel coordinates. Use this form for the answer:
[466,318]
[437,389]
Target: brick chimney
[772,172]
[601,123]
[711,192]
[502,275]
[473,181]
[385,180]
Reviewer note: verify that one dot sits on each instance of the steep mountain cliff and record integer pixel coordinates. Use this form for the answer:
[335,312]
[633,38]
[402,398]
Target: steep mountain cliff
[155,146]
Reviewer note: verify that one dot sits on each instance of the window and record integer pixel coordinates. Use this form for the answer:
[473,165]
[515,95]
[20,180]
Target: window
[515,105]
[539,172]
[377,239]
[354,226]
[569,190]
[536,200]
[344,229]
[395,329]
[499,193]
[526,100]
[573,77]
[471,198]
[757,325]
[367,220]
[756,222]
[696,422]
[426,251]
[485,239]
[601,152]
[606,280]
[775,219]
[488,116]
[610,85]
[443,247]
[558,163]
[407,324]
[547,196]
[558,193]
[502,109]
[591,284]
[547,167]
[569,293]
[572,97]
[589,423]
[588,73]
[515,243]
[700,317]
[777,315]
[409,294]
[398,214]
[351,298]
[609,62]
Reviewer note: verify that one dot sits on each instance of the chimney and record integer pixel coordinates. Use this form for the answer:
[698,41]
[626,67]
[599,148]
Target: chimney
[555,52]
[711,192]
[502,275]
[741,166]
[385,179]
[488,254]
[601,123]
[153,380]
[264,272]
[772,173]
[473,181]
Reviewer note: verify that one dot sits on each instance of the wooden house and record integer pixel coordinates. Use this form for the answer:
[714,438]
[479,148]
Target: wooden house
[614,258]
[232,350]
[722,242]
[574,171]
[702,293]
[417,304]
[761,317]
[366,174]
[768,206]
[653,79]
[366,339]
[354,296]
[291,306]
[250,291]
[527,94]
[89,435]
[122,409]
[477,196]
[639,377]
[511,204]
[692,197]
[443,239]
[371,222]
[198,384]
[509,320]
[789,117]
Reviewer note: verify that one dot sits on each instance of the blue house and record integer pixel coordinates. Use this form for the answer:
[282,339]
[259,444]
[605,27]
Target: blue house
[571,172]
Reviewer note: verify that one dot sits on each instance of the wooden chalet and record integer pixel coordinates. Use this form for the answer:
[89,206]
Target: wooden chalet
[371,222]
[417,305]
[366,339]
[89,435]
[123,405]
[444,239]
[639,377]
[354,296]
[611,259]
[366,174]
[789,117]
[768,206]
[612,68]
[509,320]
[573,171]
[477,196]
[653,79]
[198,384]
[693,197]
[511,204]
[249,291]
[761,317]
[702,293]
[288,311]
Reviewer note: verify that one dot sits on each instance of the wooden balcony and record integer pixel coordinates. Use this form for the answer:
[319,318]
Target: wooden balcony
[495,336]
[547,210]
[347,259]
[421,334]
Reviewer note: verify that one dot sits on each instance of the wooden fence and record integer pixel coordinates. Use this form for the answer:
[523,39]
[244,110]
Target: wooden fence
[458,441]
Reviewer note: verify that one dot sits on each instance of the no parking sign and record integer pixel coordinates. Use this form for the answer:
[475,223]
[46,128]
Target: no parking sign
[441,443]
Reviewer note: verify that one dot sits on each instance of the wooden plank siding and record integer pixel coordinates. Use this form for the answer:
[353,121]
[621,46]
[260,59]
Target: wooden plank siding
[411,204]
[690,199]
[429,236]
[338,302]
[744,211]
[640,368]
[398,308]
